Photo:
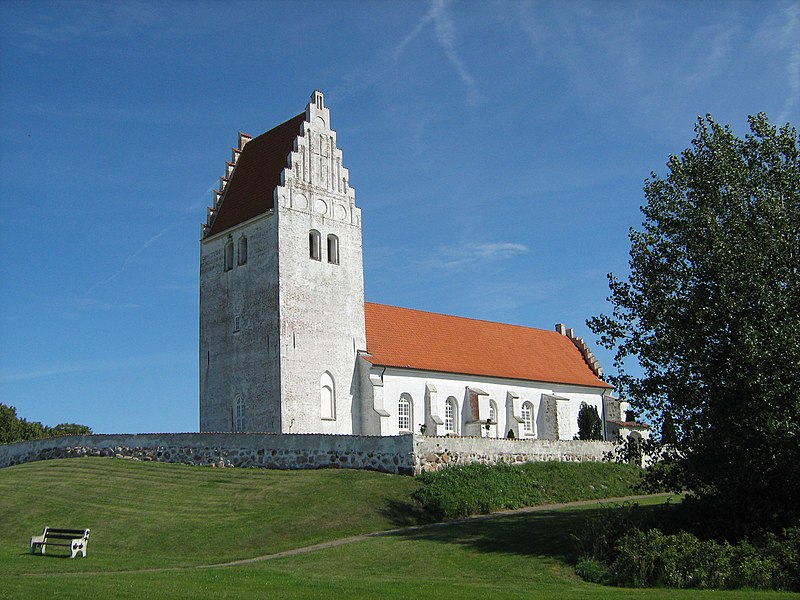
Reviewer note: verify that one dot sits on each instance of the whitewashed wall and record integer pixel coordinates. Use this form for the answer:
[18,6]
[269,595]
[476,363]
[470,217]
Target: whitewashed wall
[555,406]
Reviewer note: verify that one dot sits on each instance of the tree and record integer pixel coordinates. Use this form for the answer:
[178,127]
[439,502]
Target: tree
[70,429]
[10,426]
[711,314]
[16,429]
[589,425]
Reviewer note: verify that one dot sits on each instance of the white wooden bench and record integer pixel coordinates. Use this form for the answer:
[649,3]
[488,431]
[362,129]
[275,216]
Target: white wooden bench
[74,539]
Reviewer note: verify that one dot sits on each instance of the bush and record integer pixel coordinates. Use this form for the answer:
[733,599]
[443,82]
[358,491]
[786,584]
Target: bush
[590,427]
[461,491]
[650,557]
[592,570]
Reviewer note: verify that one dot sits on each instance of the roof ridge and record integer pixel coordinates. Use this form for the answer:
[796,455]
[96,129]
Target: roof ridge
[266,161]
[430,312]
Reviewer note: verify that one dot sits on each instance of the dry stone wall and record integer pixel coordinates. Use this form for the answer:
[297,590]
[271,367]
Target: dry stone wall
[271,451]
[435,453]
[402,454]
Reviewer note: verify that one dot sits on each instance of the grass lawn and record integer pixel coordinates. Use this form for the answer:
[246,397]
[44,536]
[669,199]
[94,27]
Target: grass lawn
[152,515]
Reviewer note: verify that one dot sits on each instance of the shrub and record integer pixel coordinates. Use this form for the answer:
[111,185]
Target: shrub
[650,557]
[592,570]
[589,425]
[461,491]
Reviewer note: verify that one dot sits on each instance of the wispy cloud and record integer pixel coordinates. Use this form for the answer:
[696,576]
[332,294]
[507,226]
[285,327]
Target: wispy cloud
[132,257]
[187,213]
[91,366]
[94,304]
[452,257]
[716,43]
[791,39]
[445,32]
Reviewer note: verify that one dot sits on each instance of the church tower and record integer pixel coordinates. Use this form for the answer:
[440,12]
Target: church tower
[281,286]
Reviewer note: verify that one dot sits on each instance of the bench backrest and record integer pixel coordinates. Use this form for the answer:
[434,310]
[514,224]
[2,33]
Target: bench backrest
[65,534]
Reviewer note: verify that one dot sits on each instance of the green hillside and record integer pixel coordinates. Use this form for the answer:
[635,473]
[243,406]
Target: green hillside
[155,515]
[158,529]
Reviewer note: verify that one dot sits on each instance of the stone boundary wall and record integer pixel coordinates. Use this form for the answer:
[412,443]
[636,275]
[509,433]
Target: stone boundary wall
[272,451]
[435,453]
[402,454]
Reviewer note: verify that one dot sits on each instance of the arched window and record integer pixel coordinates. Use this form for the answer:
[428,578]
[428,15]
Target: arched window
[327,393]
[492,429]
[229,254]
[238,414]
[527,418]
[314,248]
[333,249]
[242,251]
[450,411]
[404,413]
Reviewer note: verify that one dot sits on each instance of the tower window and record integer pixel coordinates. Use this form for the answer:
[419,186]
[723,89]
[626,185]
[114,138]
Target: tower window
[242,251]
[333,249]
[327,397]
[238,422]
[229,255]
[314,245]
[237,323]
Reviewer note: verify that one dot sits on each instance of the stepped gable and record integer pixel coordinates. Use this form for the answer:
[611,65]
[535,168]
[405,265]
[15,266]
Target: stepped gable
[414,339]
[255,175]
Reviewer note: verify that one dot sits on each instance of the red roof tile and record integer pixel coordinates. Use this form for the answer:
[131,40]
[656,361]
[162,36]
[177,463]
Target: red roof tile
[413,339]
[250,192]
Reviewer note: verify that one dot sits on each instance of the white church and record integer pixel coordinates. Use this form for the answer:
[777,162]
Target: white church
[288,344]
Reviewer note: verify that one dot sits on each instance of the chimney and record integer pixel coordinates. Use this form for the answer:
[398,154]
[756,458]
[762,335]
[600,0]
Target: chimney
[561,328]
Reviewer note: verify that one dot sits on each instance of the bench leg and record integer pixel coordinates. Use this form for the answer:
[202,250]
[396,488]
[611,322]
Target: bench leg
[78,546]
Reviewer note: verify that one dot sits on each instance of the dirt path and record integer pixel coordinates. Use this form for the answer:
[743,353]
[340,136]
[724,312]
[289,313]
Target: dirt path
[366,536]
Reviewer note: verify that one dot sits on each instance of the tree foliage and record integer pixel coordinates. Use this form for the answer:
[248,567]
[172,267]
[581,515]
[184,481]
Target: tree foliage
[589,425]
[711,314]
[16,429]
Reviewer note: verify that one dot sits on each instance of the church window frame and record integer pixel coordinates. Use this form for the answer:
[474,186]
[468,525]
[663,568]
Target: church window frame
[314,245]
[405,413]
[242,258]
[450,412]
[327,392]
[333,249]
[493,423]
[527,418]
[239,414]
[229,254]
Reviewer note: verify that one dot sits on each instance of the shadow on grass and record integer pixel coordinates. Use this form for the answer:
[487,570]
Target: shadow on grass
[403,513]
[45,555]
[550,533]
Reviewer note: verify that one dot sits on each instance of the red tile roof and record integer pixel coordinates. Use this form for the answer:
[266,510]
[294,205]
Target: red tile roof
[413,339]
[250,192]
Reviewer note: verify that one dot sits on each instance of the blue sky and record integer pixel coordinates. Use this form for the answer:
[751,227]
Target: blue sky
[497,149]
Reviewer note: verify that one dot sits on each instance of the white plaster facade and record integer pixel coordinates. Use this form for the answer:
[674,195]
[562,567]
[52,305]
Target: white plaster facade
[283,344]
[553,407]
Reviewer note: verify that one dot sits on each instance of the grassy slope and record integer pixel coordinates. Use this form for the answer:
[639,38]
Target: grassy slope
[154,515]
[191,515]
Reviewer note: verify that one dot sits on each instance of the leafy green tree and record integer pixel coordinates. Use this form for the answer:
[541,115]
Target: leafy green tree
[16,429]
[711,314]
[10,425]
[70,429]
[589,425]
